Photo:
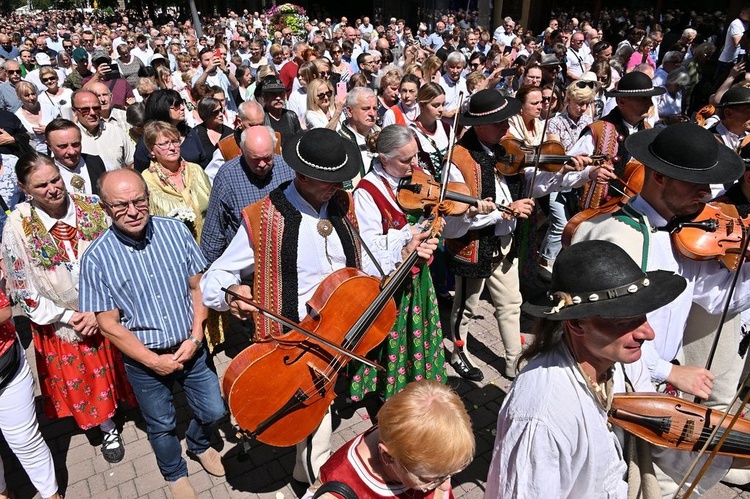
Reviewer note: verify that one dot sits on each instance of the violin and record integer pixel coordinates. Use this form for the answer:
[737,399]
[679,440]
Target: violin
[716,232]
[632,180]
[675,423]
[420,191]
[517,156]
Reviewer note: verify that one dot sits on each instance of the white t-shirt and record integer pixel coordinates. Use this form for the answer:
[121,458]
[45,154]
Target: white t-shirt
[730,51]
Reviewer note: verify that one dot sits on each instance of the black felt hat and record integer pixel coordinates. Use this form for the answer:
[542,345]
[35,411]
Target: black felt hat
[635,84]
[735,96]
[687,152]
[599,279]
[322,154]
[487,107]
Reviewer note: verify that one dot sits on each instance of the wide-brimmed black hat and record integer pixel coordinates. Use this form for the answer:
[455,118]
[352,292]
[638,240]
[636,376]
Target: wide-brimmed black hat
[687,152]
[487,107]
[599,279]
[735,96]
[322,154]
[635,84]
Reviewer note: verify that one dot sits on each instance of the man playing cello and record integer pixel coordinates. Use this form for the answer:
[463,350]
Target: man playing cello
[291,241]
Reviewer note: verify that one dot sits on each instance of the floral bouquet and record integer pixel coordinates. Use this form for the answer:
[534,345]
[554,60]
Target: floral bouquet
[186,215]
[289,16]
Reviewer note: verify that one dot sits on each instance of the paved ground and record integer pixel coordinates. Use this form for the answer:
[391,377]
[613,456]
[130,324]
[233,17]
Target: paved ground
[264,472]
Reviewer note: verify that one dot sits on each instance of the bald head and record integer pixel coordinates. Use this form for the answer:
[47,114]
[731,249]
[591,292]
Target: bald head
[250,114]
[113,182]
[258,144]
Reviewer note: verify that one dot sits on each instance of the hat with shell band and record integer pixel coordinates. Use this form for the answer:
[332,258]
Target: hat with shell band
[487,107]
[322,154]
[599,279]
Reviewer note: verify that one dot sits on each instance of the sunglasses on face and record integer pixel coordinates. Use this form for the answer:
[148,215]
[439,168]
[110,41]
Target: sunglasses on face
[325,95]
[584,84]
[546,99]
[88,109]
[13,71]
[217,111]
[49,78]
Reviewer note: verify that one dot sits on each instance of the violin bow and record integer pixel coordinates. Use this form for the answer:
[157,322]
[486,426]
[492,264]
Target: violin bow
[710,439]
[296,327]
[538,153]
[449,155]
[709,362]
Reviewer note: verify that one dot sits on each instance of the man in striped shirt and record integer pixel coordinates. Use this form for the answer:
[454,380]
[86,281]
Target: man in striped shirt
[141,278]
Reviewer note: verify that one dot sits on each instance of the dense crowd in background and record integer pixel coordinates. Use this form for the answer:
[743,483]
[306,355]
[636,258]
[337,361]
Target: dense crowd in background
[202,113]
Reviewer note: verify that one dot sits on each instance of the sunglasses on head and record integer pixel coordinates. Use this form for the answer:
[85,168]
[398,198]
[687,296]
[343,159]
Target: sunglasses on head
[584,84]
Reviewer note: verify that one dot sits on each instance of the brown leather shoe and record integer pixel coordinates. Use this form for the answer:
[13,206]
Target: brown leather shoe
[211,462]
[182,489]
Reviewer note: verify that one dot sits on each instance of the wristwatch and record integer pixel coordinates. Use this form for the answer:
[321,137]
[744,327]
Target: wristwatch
[199,344]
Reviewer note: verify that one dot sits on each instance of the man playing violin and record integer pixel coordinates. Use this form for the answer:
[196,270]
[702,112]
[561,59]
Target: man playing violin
[681,161]
[553,437]
[479,242]
[607,136]
[290,241]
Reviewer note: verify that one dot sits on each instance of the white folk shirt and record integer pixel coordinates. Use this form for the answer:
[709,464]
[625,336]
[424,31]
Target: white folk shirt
[707,284]
[546,182]
[82,171]
[313,265]
[46,310]
[552,437]
[385,247]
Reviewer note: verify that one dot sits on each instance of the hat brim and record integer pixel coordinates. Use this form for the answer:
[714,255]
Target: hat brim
[729,166]
[665,286]
[653,92]
[512,107]
[732,104]
[346,172]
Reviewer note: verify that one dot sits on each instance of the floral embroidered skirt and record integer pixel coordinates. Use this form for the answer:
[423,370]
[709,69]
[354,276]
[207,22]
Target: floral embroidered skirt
[85,380]
[413,350]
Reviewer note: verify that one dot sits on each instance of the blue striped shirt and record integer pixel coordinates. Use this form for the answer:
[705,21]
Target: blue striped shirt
[146,280]
[236,187]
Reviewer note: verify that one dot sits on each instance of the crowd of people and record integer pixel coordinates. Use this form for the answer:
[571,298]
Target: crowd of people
[161,185]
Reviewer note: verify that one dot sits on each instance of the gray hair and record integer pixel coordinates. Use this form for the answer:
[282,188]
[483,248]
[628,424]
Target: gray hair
[679,77]
[455,58]
[242,109]
[689,32]
[353,96]
[392,138]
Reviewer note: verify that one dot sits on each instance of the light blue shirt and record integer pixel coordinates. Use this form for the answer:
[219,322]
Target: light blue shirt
[146,280]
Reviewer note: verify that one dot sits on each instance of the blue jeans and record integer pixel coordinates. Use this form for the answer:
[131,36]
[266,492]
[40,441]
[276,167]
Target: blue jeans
[552,243]
[154,394]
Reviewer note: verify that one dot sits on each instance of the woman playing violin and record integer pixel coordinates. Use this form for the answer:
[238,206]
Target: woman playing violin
[553,439]
[414,349]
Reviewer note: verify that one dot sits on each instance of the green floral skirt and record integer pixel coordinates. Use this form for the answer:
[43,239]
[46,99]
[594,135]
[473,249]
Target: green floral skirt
[413,350]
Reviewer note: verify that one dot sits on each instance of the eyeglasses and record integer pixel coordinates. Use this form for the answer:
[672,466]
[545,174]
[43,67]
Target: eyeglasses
[584,84]
[13,71]
[166,145]
[119,208]
[433,483]
[49,78]
[217,111]
[87,109]
[325,95]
